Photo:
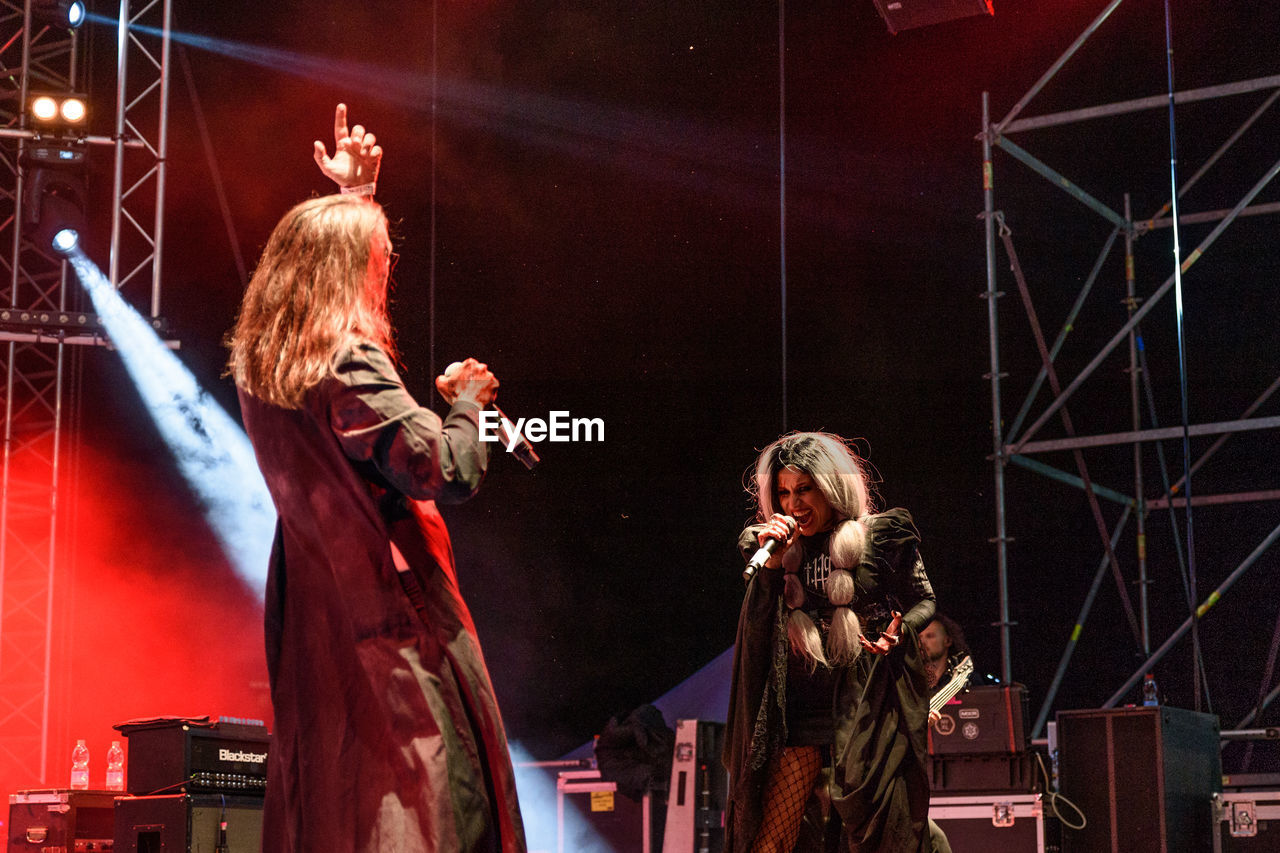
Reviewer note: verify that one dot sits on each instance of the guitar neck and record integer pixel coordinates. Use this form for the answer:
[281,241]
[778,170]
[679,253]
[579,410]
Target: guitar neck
[959,681]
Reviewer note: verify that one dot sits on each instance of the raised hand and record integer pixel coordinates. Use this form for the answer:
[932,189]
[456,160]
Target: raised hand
[357,157]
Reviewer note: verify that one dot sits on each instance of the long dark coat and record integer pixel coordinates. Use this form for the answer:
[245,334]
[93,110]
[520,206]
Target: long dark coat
[387,734]
[879,703]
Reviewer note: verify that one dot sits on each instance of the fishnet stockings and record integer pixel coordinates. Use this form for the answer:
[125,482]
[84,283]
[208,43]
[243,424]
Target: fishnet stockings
[791,778]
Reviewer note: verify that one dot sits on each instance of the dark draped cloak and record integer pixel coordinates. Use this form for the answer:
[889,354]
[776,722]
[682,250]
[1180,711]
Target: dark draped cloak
[879,702]
[387,736]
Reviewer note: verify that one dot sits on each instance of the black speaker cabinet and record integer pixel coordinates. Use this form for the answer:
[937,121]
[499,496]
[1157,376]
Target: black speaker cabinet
[188,823]
[1144,778]
[905,14]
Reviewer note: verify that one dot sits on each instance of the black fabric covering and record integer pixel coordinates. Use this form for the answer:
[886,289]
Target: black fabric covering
[634,752]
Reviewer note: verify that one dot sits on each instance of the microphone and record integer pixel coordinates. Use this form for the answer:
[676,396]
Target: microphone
[523,450]
[766,550]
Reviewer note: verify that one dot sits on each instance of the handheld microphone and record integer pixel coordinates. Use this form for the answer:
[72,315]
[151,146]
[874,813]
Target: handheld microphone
[523,450]
[767,549]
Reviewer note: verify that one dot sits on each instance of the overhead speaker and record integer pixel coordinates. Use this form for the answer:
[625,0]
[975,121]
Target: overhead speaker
[907,14]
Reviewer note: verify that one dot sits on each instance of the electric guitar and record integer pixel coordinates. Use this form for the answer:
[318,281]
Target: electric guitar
[960,674]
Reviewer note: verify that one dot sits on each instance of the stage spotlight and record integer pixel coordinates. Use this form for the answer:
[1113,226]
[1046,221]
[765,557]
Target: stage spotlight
[44,108]
[53,194]
[61,114]
[73,111]
[64,14]
[66,240]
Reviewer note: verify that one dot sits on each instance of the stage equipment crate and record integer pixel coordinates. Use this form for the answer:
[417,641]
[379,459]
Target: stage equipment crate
[61,819]
[983,720]
[589,809]
[1010,823]
[1247,821]
[188,823]
[984,774]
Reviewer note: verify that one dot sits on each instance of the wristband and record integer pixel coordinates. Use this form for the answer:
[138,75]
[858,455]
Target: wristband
[361,189]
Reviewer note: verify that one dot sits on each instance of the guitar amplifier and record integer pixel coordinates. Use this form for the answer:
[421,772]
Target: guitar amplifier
[986,720]
[188,823]
[177,756]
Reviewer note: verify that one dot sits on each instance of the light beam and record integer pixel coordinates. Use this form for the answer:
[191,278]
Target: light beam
[212,451]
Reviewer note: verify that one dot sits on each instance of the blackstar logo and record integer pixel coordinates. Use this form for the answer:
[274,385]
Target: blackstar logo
[250,757]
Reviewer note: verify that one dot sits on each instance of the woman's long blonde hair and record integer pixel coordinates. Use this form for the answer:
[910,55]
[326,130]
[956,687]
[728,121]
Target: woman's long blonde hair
[315,292]
[845,481]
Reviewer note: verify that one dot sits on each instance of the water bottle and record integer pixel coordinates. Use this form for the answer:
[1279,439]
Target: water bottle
[1149,695]
[80,766]
[115,767]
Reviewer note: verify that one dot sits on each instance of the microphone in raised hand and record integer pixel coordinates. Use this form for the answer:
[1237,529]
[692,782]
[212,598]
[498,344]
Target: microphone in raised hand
[520,448]
[770,546]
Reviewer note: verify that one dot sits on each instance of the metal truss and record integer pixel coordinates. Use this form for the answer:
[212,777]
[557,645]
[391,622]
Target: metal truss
[1020,442]
[39,326]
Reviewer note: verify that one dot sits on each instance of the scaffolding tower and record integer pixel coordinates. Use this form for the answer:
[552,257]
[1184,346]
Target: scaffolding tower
[1019,444]
[42,333]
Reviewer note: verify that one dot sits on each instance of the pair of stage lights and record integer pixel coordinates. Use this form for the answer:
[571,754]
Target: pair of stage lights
[64,111]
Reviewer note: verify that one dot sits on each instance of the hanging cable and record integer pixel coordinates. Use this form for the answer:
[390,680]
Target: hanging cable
[1198,683]
[431,239]
[782,190]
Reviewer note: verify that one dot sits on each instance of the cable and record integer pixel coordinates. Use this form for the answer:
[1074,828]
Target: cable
[782,190]
[1053,798]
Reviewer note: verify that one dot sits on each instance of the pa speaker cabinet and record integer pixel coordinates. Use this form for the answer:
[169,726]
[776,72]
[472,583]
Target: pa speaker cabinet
[905,14]
[188,823]
[699,789]
[1143,777]
[60,819]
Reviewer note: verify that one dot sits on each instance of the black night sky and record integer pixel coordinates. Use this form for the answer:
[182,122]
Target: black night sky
[607,239]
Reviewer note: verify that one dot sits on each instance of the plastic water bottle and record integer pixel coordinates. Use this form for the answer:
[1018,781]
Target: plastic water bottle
[1149,695]
[115,767]
[80,766]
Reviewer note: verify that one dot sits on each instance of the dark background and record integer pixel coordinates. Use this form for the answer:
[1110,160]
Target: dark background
[607,239]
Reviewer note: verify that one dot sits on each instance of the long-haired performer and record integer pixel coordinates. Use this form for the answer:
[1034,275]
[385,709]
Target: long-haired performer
[810,689]
[387,734]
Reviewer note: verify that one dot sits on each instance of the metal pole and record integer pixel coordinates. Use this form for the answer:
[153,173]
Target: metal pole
[1053,69]
[1135,409]
[117,191]
[1199,613]
[51,574]
[162,160]
[997,427]
[1150,303]
[1078,630]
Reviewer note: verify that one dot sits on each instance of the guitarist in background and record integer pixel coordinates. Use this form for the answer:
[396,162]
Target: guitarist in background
[942,645]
